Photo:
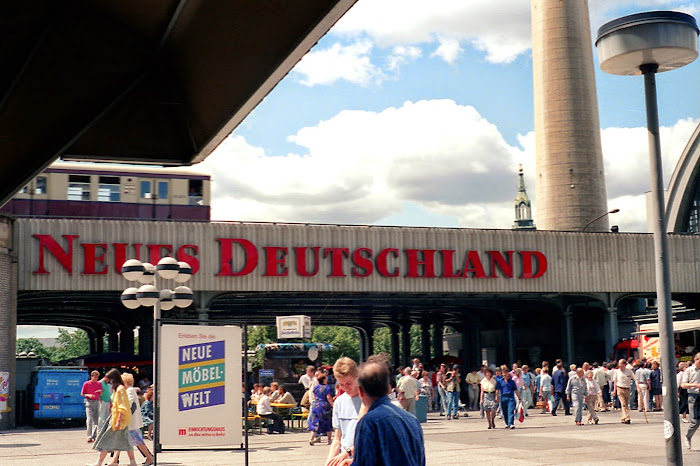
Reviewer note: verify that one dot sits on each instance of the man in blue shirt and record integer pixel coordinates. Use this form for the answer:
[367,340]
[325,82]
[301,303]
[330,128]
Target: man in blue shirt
[386,435]
[559,380]
[508,391]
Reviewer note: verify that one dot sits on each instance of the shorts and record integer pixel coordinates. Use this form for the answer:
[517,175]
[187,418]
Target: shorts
[135,437]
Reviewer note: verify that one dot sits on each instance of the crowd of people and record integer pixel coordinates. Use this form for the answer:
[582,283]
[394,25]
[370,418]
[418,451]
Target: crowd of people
[368,415]
[116,411]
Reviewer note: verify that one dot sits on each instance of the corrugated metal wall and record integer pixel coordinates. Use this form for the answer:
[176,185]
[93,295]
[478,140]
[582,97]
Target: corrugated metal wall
[577,262]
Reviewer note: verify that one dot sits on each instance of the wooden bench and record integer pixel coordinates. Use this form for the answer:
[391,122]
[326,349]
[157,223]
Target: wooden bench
[301,417]
[253,421]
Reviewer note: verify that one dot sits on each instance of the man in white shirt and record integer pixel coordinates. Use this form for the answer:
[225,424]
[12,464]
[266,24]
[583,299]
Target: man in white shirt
[265,411]
[691,382]
[643,376]
[602,382]
[409,386]
[306,378]
[622,382]
[346,410]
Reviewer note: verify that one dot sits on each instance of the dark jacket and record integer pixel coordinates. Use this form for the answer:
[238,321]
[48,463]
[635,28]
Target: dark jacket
[560,379]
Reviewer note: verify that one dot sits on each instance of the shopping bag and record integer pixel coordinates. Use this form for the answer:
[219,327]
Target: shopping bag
[519,414]
[550,404]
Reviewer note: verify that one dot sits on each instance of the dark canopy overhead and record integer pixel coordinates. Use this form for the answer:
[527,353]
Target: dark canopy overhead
[157,81]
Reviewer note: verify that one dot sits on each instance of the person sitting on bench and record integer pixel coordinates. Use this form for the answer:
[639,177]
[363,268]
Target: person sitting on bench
[265,412]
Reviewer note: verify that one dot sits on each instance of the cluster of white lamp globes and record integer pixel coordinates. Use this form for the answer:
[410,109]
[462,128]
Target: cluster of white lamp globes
[147,294]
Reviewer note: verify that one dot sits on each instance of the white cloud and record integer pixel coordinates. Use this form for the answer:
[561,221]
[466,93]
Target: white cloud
[326,66]
[442,158]
[502,32]
[449,49]
[363,166]
[402,54]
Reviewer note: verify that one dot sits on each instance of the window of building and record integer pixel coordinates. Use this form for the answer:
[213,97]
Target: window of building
[109,189]
[162,190]
[78,187]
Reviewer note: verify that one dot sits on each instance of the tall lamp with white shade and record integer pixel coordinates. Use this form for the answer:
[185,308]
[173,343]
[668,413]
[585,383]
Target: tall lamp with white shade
[646,44]
[148,295]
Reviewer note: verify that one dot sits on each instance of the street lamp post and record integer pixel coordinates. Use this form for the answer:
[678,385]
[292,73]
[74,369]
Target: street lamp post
[614,211]
[650,43]
[149,295]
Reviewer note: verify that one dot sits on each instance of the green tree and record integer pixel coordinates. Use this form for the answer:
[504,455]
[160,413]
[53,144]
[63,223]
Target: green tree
[32,344]
[260,335]
[345,341]
[71,344]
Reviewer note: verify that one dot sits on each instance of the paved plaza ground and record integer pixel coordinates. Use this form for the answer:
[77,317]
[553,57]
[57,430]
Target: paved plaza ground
[540,440]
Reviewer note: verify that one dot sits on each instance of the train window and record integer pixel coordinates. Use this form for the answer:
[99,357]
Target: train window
[40,185]
[145,190]
[162,190]
[109,189]
[196,192]
[78,187]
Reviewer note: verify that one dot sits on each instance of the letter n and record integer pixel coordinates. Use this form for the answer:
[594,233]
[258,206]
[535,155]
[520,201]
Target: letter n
[64,257]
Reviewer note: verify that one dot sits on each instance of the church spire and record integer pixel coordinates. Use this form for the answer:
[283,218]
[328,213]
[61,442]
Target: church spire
[523,212]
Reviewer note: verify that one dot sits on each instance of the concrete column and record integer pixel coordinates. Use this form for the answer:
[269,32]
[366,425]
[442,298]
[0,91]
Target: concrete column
[476,341]
[438,328]
[113,339]
[126,339]
[146,338]
[570,188]
[369,331]
[363,343]
[611,331]
[92,338]
[467,350]
[395,350]
[405,341]
[203,316]
[99,340]
[8,318]
[568,335]
[425,342]
[510,336]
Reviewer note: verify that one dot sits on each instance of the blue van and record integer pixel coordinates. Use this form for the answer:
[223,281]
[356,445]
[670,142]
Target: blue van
[55,392]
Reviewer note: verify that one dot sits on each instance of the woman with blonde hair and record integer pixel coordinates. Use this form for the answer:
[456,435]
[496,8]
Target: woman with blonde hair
[135,437]
[114,435]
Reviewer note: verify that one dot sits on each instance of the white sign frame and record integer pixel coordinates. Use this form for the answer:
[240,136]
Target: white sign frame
[293,327]
[198,410]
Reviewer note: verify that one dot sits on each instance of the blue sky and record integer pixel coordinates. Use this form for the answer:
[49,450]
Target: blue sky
[406,113]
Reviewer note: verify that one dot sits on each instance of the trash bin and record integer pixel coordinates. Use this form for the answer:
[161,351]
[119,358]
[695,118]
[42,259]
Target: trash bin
[422,408]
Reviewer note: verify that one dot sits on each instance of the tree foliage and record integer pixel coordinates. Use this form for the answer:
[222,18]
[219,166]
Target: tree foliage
[71,344]
[32,344]
[345,341]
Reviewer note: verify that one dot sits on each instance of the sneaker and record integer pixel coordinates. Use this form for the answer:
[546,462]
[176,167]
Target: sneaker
[449,417]
[512,427]
[686,442]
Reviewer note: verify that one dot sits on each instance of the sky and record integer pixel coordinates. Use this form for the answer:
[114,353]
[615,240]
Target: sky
[411,114]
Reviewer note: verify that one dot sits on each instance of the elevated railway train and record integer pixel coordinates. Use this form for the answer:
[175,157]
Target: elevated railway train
[100,191]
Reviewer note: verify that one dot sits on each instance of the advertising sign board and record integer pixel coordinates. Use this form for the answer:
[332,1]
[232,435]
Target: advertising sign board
[293,327]
[200,374]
